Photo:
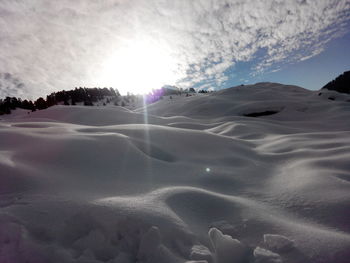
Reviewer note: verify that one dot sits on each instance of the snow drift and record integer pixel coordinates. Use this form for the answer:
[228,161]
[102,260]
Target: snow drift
[206,178]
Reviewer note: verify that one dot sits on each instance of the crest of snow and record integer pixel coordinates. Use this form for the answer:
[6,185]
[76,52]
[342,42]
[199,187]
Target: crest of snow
[262,255]
[225,248]
[278,242]
[200,252]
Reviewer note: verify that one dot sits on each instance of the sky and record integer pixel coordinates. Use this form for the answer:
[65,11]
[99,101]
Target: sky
[139,45]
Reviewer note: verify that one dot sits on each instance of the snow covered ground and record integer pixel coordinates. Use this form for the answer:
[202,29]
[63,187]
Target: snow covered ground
[192,179]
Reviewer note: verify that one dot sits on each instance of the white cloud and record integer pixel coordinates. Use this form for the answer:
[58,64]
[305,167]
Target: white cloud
[11,86]
[52,45]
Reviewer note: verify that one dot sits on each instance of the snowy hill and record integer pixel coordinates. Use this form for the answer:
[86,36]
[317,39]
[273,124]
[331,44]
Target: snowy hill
[188,179]
[242,100]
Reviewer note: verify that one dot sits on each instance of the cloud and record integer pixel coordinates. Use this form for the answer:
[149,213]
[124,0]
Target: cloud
[54,45]
[11,86]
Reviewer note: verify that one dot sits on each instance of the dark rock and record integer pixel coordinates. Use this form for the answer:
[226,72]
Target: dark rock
[259,114]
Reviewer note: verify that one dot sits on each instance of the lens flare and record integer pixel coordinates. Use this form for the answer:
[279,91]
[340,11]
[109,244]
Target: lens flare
[139,67]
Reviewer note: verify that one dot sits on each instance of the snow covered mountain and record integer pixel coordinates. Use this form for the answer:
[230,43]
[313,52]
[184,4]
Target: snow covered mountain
[256,173]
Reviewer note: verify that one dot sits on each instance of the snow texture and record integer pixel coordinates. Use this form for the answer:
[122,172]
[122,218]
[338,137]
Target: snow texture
[266,256]
[226,249]
[206,178]
[278,242]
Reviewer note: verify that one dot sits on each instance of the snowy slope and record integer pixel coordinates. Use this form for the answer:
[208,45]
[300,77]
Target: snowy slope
[192,179]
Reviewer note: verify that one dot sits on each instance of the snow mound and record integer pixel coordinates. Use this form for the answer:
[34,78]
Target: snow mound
[262,255]
[278,242]
[200,252]
[226,249]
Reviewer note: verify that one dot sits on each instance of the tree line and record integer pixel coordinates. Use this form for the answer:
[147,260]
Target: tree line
[340,84]
[89,96]
[84,95]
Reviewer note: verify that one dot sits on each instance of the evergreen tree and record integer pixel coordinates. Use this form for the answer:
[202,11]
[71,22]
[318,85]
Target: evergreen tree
[40,104]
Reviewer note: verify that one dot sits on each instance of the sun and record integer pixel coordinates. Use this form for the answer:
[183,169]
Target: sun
[138,68]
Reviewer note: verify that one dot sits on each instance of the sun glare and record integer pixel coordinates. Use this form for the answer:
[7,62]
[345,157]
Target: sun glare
[138,68]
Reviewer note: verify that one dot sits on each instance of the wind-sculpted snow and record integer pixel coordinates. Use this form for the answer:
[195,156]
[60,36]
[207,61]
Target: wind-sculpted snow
[194,180]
